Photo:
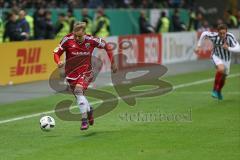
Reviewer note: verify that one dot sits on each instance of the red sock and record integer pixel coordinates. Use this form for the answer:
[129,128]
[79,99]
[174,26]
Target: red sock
[222,82]
[217,82]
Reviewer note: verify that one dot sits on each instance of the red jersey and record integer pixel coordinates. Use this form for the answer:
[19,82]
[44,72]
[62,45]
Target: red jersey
[78,55]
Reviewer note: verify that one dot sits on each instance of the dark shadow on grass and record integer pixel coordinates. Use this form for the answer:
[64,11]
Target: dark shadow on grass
[89,134]
[50,136]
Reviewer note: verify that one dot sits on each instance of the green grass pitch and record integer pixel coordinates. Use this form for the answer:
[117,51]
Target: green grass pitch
[208,129]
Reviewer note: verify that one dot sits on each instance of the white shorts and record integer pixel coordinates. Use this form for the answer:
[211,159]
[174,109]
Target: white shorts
[217,61]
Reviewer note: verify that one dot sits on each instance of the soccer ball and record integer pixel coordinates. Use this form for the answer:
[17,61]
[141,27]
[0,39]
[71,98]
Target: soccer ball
[47,123]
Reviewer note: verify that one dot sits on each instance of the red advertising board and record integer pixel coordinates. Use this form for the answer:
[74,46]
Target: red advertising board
[139,49]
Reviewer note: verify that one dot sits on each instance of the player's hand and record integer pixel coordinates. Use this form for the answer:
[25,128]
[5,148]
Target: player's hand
[60,64]
[114,68]
[225,46]
[197,49]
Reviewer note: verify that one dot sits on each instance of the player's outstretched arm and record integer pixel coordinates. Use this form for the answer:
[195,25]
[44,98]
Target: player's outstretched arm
[108,49]
[100,43]
[235,48]
[114,67]
[200,41]
[56,55]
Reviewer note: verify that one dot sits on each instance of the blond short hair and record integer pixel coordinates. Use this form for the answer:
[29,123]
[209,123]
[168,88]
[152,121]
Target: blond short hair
[79,25]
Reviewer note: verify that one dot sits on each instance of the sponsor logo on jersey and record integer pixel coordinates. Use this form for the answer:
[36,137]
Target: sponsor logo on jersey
[81,53]
[87,45]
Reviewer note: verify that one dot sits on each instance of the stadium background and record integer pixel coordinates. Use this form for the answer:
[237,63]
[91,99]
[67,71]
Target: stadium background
[25,93]
[161,48]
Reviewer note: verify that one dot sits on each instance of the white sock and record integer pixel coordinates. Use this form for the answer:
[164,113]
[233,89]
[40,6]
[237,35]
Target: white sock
[83,103]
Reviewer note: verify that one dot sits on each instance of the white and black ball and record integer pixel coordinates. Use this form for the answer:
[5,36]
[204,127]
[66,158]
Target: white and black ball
[47,123]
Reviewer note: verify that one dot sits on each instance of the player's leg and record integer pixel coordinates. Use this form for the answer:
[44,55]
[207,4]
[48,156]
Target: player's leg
[85,83]
[90,116]
[87,110]
[223,80]
[220,80]
[83,105]
[219,77]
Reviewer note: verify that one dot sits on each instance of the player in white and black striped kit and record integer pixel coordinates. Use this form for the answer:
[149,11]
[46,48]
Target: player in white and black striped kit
[224,44]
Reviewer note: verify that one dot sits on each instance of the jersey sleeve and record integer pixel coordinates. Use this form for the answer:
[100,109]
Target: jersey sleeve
[61,47]
[205,34]
[235,49]
[234,45]
[102,44]
[233,40]
[59,50]
[99,43]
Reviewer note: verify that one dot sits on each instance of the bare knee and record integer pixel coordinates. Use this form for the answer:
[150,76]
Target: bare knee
[78,90]
[221,68]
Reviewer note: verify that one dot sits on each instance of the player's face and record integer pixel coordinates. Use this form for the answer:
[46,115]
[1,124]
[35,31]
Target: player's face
[222,33]
[78,35]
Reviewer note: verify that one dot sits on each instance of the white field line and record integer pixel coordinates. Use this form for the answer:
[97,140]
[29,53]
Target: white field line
[204,92]
[113,99]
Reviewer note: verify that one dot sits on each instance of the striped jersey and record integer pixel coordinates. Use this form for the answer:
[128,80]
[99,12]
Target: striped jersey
[218,50]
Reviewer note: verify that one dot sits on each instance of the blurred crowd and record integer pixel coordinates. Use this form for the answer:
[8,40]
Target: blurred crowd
[96,3]
[17,25]
[197,22]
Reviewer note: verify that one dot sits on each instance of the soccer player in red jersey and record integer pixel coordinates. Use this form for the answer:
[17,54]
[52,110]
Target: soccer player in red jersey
[78,48]
[224,44]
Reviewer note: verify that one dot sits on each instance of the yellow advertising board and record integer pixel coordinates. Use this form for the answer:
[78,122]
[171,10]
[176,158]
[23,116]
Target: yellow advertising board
[26,61]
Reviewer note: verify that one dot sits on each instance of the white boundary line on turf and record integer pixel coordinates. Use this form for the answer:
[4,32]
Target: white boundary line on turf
[109,100]
[205,92]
